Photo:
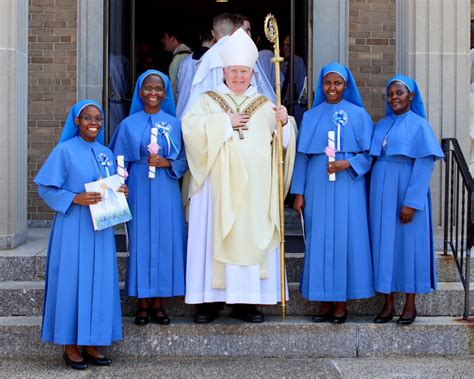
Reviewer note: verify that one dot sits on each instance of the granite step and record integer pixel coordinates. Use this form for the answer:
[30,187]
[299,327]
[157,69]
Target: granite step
[296,337]
[20,266]
[26,299]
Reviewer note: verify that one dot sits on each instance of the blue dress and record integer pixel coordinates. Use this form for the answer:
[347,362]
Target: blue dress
[82,299]
[337,264]
[156,266]
[403,254]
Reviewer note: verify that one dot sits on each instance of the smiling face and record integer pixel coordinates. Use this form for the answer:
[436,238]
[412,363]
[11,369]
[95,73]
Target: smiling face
[238,78]
[152,93]
[333,87]
[399,98]
[89,123]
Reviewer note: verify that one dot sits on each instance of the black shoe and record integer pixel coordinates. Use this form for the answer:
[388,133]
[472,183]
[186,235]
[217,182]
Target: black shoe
[142,320]
[406,321]
[162,320]
[247,313]
[339,319]
[206,313]
[205,317]
[82,365]
[383,319]
[104,361]
[323,317]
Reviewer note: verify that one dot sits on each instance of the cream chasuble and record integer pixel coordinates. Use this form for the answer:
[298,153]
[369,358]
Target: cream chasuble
[238,177]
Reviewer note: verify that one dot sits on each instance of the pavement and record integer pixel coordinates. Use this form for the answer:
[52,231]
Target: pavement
[169,367]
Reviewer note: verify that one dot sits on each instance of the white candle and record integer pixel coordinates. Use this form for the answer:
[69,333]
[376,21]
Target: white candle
[153,141]
[331,144]
[121,168]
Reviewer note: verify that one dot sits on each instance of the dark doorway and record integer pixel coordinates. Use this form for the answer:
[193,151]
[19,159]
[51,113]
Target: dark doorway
[135,29]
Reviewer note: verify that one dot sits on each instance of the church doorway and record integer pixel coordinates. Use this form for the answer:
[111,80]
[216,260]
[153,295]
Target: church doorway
[133,30]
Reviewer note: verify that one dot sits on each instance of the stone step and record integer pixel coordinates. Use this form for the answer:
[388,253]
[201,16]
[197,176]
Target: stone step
[25,267]
[296,337]
[26,299]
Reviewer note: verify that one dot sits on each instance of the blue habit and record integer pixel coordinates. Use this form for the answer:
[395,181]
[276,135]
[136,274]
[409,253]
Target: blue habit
[337,264]
[156,266]
[82,299]
[403,254]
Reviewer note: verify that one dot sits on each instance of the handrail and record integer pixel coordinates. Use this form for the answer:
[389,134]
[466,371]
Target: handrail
[458,213]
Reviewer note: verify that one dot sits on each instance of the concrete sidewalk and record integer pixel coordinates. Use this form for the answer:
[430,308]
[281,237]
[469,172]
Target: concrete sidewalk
[247,368]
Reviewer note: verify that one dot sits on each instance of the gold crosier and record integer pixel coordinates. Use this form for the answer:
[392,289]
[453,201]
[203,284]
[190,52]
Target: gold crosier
[271,32]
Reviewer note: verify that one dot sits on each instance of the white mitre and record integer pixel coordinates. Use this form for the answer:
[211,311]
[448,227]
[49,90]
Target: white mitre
[239,50]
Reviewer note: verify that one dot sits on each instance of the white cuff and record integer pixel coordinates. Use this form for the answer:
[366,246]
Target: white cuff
[285,133]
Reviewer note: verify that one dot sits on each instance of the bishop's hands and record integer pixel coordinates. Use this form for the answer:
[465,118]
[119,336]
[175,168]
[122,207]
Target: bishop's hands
[281,114]
[238,119]
[338,166]
[406,215]
[157,161]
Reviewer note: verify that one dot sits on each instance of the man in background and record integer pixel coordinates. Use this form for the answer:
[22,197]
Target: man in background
[172,42]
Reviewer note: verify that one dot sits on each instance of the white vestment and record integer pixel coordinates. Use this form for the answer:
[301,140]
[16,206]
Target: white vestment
[243,283]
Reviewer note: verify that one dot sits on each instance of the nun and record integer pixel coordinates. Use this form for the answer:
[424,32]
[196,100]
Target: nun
[82,300]
[330,187]
[405,150]
[156,264]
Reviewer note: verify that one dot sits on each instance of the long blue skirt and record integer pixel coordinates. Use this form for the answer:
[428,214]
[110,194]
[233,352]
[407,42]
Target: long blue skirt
[82,298]
[403,254]
[337,264]
[156,266]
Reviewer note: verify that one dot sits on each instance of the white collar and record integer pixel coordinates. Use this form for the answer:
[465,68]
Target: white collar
[251,91]
[180,47]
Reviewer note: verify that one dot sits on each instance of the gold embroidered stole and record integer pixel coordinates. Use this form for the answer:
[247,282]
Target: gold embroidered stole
[250,109]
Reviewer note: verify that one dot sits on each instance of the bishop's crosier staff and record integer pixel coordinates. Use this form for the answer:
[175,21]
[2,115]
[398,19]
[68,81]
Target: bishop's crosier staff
[271,32]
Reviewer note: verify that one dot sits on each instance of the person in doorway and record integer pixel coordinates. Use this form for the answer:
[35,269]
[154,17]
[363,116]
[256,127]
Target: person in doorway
[157,233]
[173,42]
[338,262]
[405,149]
[233,238]
[82,299]
[242,22]
[186,72]
[298,106]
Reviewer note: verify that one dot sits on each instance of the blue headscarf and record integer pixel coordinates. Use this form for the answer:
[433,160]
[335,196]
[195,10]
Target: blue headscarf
[416,105]
[351,93]
[71,130]
[167,105]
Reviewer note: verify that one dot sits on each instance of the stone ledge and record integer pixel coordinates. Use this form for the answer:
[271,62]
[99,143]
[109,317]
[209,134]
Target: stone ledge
[26,299]
[28,263]
[296,337]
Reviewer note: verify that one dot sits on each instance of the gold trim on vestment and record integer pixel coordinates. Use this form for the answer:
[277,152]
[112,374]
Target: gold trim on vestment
[250,109]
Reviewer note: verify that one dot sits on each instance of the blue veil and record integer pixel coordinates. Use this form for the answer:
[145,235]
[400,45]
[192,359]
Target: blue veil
[167,105]
[351,93]
[71,130]
[416,104]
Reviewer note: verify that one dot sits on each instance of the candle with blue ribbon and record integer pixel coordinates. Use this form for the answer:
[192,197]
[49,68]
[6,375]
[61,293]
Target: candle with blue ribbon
[164,129]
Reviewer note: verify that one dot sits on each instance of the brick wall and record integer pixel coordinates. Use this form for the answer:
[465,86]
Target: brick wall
[372,50]
[52,37]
